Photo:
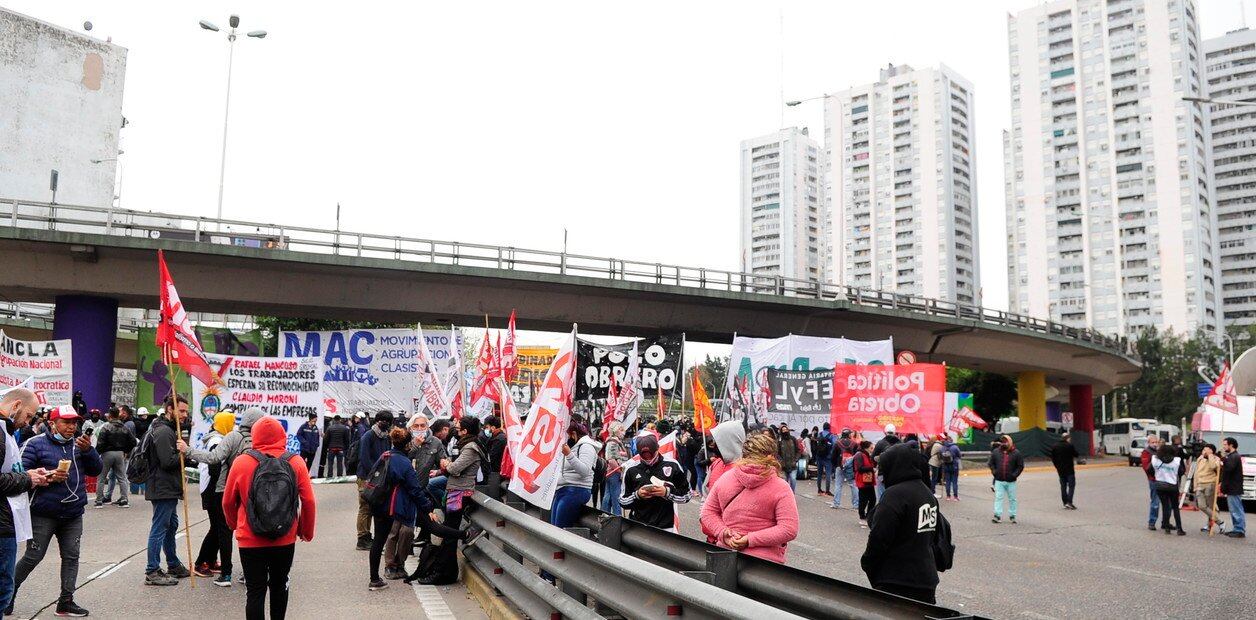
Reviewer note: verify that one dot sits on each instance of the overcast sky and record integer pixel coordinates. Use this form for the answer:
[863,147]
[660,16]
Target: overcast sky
[503,122]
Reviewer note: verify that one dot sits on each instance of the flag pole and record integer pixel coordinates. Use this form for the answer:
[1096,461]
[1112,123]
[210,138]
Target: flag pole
[680,367]
[183,474]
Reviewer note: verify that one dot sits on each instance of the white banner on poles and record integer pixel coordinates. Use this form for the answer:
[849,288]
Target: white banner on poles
[752,356]
[538,465]
[288,389]
[47,363]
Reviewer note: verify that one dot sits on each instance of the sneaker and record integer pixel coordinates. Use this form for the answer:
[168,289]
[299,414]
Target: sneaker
[98,504]
[178,572]
[159,578]
[67,609]
[936,496]
[378,584]
[122,503]
[995,519]
[215,567]
[863,523]
[393,574]
[240,580]
[364,544]
[1012,519]
[202,570]
[473,534]
[1181,532]
[1071,507]
[223,580]
[1235,534]
[1151,526]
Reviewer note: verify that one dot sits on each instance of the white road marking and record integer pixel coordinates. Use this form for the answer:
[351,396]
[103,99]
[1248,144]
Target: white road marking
[1147,574]
[115,569]
[433,604]
[98,573]
[1004,546]
[181,534]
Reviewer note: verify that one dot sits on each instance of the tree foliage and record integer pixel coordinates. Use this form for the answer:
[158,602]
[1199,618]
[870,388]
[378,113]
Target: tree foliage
[1166,389]
[994,395]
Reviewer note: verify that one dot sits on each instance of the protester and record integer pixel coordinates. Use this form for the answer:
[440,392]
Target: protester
[1167,466]
[690,456]
[57,510]
[461,473]
[17,406]
[267,560]
[92,423]
[308,438]
[1153,444]
[1207,473]
[442,430]
[576,479]
[371,445]
[891,438]
[233,444]
[804,455]
[950,468]
[788,455]
[114,443]
[338,438]
[651,503]
[360,425]
[843,457]
[1063,455]
[1232,487]
[822,449]
[143,419]
[865,471]
[163,489]
[215,553]
[899,556]
[935,465]
[727,438]
[752,509]
[128,419]
[495,447]
[424,454]
[616,456]
[1006,464]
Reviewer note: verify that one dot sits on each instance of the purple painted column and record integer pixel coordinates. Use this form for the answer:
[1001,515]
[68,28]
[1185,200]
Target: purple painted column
[91,325]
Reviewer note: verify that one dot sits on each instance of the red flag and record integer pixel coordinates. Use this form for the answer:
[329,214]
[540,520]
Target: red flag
[175,337]
[510,357]
[486,369]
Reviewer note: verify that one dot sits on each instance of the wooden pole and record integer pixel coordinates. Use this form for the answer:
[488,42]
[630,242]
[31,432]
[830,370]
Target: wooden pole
[183,476]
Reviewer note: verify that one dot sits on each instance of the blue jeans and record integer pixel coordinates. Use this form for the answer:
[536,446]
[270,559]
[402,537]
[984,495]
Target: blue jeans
[611,492]
[951,476]
[161,535]
[1237,517]
[701,475]
[1155,503]
[824,475]
[565,512]
[8,564]
[1004,489]
[789,476]
[846,477]
[436,486]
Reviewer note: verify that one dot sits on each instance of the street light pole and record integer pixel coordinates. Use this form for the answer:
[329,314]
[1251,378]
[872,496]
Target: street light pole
[234,23]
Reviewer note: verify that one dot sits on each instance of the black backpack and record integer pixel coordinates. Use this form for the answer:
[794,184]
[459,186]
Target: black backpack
[946,456]
[943,549]
[824,447]
[137,470]
[352,458]
[272,505]
[375,489]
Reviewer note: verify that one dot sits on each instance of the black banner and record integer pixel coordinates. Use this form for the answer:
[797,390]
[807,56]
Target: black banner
[659,360]
[800,391]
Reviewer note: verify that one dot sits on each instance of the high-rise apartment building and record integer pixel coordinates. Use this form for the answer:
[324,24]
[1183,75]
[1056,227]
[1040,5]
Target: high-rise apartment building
[1110,219]
[1230,67]
[899,185]
[781,204]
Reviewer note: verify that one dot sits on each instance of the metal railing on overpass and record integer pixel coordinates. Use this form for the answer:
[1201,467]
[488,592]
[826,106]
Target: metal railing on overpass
[614,567]
[155,225]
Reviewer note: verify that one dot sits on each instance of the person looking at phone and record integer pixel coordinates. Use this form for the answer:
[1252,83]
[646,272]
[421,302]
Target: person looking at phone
[57,510]
[653,485]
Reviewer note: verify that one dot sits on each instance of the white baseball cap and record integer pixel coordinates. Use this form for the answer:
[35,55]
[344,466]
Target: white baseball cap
[889,428]
[142,411]
[360,414]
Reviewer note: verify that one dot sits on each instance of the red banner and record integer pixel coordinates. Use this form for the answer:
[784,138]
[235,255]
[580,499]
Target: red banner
[910,396]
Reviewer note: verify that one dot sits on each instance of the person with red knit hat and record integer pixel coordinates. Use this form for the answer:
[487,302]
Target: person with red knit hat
[267,560]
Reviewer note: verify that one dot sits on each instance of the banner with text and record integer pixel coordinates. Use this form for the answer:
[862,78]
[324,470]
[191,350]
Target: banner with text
[369,369]
[288,389]
[533,362]
[537,457]
[659,360]
[911,397]
[751,357]
[799,398]
[152,378]
[47,362]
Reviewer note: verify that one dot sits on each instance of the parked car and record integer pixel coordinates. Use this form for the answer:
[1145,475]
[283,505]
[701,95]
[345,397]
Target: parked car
[1136,450]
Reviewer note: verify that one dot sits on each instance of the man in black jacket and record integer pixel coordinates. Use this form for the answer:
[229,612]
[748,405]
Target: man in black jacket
[1006,464]
[1063,454]
[1232,486]
[338,437]
[164,488]
[650,502]
[16,407]
[114,442]
[899,555]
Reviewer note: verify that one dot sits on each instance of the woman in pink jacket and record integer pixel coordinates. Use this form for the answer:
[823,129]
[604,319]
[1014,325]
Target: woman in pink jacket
[751,508]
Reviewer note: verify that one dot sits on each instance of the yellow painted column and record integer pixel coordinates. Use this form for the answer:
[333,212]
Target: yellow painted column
[1031,399]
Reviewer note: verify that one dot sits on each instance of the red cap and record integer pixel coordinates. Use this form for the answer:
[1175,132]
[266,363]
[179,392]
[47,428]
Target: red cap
[64,412]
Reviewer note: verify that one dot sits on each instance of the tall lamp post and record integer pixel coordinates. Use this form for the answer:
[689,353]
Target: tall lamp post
[233,22]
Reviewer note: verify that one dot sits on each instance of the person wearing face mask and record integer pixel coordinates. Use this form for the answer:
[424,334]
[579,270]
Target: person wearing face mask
[58,509]
[1006,464]
[423,453]
[17,407]
[494,444]
[308,436]
[653,485]
[91,425]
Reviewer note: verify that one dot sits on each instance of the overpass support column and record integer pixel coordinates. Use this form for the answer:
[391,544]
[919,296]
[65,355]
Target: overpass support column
[91,325]
[1081,399]
[1031,399]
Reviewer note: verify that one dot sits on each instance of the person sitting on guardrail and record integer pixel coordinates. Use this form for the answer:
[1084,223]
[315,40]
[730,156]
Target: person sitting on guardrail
[653,486]
[752,509]
[899,557]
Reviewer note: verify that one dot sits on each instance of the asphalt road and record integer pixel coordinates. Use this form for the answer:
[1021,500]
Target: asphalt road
[1097,561]
[328,579]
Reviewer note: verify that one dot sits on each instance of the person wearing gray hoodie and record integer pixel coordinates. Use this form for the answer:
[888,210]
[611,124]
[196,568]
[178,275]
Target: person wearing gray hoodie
[575,486]
[234,444]
[728,438]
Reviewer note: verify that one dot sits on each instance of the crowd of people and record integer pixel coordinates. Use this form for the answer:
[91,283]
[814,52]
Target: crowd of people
[1211,474]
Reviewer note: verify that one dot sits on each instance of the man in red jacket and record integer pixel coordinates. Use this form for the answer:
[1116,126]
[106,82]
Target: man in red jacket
[266,561]
[1153,444]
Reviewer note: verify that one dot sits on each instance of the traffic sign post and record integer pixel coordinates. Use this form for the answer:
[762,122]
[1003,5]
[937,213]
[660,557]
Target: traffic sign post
[906,357]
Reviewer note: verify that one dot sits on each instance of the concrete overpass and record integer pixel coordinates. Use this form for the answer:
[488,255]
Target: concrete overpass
[291,271]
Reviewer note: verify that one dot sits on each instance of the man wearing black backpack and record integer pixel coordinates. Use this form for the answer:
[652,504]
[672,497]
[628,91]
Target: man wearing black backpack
[899,557]
[164,488]
[823,454]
